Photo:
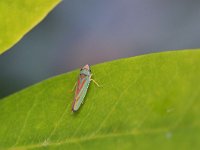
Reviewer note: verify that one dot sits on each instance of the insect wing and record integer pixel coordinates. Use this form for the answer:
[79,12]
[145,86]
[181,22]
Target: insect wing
[81,90]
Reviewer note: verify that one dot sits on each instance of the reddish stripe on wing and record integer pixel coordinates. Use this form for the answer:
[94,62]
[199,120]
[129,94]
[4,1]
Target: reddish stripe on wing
[84,80]
[80,86]
[78,89]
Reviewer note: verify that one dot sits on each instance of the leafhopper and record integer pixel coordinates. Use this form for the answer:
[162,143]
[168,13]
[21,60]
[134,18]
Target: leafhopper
[82,85]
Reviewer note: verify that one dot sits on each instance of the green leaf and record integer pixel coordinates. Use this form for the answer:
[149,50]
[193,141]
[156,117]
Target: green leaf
[17,17]
[146,102]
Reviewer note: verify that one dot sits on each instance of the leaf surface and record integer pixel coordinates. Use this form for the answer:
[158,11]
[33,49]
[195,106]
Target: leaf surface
[17,17]
[145,102]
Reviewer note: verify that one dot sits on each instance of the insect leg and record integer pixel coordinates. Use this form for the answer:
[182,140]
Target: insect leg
[94,81]
[74,87]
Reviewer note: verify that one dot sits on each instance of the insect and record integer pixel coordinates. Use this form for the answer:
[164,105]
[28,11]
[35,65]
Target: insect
[82,85]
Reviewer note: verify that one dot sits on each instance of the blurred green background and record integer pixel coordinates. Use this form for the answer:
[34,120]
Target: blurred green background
[79,32]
